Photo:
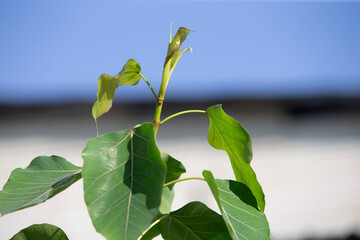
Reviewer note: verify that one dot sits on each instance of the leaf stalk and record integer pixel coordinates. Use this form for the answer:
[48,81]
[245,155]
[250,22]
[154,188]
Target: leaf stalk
[147,82]
[152,225]
[183,179]
[181,113]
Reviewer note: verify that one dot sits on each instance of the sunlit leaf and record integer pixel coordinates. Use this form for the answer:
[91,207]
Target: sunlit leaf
[107,85]
[123,180]
[239,209]
[174,48]
[41,180]
[174,171]
[193,221]
[225,133]
[41,232]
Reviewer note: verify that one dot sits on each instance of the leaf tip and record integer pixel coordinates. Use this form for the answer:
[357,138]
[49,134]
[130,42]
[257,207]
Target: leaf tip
[207,174]
[186,50]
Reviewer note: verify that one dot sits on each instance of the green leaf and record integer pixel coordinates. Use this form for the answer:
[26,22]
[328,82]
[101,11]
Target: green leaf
[40,232]
[225,133]
[151,233]
[123,180]
[107,85]
[174,171]
[174,49]
[238,208]
[174,167]
[41,180]
[193,221]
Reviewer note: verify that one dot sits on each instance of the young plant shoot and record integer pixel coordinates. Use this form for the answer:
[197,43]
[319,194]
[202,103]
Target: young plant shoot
[129,182]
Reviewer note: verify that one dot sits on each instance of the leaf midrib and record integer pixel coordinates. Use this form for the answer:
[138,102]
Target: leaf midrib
[131,181]
[52,188]
[187,228]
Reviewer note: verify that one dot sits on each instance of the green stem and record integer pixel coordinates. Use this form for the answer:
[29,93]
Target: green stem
[161,96]
[183,179]
[152,225]
[97,128]
[167,72]
[152,90]
[181,113]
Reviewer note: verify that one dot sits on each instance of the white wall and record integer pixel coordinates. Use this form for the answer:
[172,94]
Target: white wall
[308,167]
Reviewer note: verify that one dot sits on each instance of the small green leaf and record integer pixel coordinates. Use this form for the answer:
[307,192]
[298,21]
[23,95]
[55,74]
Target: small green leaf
[193,221]
[107,85]
[123,180]
[239,209]
[174,167]
[225,133]
[174,171]
[40,232]
[42,179]
[174,48]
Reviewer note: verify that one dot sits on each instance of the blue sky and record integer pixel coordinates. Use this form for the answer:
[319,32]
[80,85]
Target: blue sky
[54,51]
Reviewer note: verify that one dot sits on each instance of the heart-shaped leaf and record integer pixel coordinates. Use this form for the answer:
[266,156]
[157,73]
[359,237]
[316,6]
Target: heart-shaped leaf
[40,232]
[225,133]
[239,209]
[41,180]
[193,221]
[107,85]
[123,180]
[174,171]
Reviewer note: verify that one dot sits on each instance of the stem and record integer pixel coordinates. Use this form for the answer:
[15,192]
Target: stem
[160,98]
[97,128]
[170,33]
[181,113]
[167,72]
[153,224]
[152,90]
[183,179]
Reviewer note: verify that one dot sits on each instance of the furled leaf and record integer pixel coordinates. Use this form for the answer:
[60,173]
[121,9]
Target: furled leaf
[174,48]
[225,133]
[41,180]
[41,232]
[107,85]
[239,209]
[123,180]
[174,171]
[193,221]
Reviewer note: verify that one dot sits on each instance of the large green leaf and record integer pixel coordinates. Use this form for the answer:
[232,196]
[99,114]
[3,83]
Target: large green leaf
[107,85]
[41,180]
[225,133]
[123,180]
[174,48]
[40,232]
[174,171]
[239,209]
[194,221]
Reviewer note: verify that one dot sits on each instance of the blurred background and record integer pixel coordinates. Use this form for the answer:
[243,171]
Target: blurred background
[287,70]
